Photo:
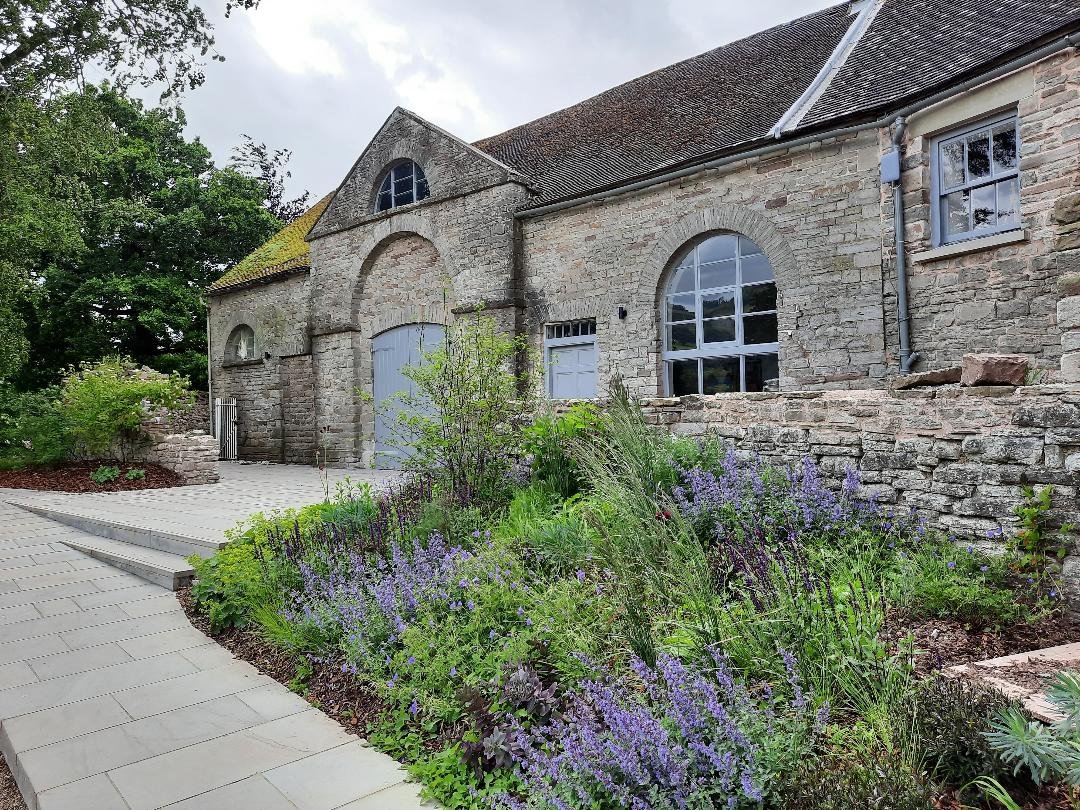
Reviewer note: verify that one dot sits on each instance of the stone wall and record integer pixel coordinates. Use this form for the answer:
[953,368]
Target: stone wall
[278,313]
[416,264]
[192,454]
[959,456]
[998,298]
[815,211]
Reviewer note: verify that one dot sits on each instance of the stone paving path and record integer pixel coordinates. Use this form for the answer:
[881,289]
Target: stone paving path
[109,698]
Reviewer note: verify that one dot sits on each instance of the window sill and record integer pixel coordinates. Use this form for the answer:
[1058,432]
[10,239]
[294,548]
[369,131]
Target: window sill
[971,246]
[257,361]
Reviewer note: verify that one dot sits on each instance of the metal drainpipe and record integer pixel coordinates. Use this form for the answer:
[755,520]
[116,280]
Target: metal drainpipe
[908,358]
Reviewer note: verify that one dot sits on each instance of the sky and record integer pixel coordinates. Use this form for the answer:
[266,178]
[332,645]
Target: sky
[319,77]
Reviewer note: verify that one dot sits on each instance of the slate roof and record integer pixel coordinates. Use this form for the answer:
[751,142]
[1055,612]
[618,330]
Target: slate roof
[916,47]
[284,252]
[734,94]
[721,98]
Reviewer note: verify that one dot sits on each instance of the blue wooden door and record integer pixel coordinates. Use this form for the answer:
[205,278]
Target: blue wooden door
[391,352]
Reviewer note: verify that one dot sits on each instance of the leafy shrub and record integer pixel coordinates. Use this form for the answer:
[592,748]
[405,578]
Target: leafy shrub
[230,585]
[103,404]
[1043,752]
[463,423]
[942,580]
[863,779]
[553,534]
[948,720]
[547,441]
[32,428]
[104,474]
[135,474]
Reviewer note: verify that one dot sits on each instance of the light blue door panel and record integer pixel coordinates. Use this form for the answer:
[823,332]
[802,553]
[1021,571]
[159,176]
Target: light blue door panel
[391,352]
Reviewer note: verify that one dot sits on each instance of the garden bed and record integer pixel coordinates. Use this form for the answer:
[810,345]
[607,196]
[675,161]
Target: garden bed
[10,797]
[327,687]
[583,611]
[943,643]
[74,476]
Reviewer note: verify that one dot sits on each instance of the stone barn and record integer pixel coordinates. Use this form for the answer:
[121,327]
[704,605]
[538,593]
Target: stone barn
[788,238]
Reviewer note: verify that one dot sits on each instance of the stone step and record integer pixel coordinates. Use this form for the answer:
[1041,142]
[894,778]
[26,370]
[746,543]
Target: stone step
[125,532]
[160,567]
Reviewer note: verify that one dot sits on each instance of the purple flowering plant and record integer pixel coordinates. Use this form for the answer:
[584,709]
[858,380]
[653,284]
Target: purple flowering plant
[667,736]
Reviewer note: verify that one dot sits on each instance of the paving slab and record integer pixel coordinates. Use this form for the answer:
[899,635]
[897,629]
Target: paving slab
[109,698]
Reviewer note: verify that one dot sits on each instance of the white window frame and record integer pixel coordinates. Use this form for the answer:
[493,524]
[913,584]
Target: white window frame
[581,339]
[938,189]
[716,350]
[387,177]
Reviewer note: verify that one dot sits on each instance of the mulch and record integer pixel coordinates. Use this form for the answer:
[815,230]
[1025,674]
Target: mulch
[1035,674]
[942,643]
[1049,797]
[74,476]
[340,694]
[10,798]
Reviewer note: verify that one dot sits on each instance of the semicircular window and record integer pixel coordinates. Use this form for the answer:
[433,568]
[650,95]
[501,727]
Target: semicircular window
[241,344]
[401,184]
[719,319]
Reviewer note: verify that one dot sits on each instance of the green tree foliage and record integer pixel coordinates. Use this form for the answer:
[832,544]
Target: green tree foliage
[158,223]
[48,43]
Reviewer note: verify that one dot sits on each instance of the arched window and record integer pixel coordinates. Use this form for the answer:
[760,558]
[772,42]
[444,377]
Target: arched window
[241,344]
[719,316]
[403,183]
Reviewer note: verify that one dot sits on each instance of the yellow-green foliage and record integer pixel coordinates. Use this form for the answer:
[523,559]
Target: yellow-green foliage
[283,251]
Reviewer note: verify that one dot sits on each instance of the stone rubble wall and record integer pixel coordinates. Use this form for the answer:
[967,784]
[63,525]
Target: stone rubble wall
[958,456]
[192,454]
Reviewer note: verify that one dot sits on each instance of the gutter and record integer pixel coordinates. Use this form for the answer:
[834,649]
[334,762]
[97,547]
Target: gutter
[1069,41]
[908,358]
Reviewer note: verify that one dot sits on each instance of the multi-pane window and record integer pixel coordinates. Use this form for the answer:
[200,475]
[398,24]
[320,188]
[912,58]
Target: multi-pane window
[720,328]
[402,184]
[976,181]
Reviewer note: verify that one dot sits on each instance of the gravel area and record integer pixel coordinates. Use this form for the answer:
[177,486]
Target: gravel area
[10,798]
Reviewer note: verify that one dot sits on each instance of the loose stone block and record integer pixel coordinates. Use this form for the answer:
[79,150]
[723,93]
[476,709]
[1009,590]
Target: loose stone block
[941,376]
[994,369]
[1070,367]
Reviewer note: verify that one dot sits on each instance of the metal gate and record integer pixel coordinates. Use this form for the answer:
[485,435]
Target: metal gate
[225,428]
[391,352]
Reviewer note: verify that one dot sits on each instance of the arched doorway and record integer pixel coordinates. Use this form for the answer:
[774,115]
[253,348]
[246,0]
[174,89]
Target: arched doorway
[391,352]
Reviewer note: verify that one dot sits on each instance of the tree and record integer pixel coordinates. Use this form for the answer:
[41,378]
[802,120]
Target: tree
[47,44]
[158,224]
[269,167]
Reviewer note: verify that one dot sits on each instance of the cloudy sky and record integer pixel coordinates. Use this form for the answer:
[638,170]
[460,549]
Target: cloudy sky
[320,76]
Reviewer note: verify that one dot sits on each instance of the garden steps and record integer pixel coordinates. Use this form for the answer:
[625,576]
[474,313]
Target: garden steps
[137,531]
[160,567]
[989,672]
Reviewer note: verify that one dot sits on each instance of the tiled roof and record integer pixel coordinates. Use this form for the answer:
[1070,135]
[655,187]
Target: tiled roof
[721,98]
[283,252]
[915,47]
[734,94]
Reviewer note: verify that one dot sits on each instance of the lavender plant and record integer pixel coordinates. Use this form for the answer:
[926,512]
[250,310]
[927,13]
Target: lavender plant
[669,736]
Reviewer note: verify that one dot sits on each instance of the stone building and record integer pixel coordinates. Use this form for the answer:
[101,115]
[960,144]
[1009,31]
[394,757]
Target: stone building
[725,224]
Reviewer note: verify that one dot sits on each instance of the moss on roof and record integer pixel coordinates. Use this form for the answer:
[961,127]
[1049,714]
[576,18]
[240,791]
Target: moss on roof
[284,251]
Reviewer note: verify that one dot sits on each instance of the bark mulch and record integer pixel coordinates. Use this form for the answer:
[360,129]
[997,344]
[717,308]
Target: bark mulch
[942,643]
[10,798]
[1049,797]
[75,477]
[340,694]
